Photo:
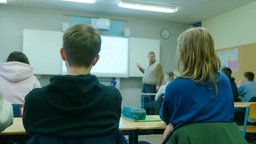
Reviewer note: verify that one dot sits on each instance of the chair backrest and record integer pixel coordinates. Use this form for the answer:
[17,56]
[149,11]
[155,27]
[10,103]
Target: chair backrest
[158,104]
[17,110]
[253,99]
[252,113]
[207,133]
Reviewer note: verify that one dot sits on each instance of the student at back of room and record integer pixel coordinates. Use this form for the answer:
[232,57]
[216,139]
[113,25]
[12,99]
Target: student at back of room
[228,72]
[247,87]
[16,78]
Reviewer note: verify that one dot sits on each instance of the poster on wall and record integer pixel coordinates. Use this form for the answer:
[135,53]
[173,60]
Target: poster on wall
[229,58]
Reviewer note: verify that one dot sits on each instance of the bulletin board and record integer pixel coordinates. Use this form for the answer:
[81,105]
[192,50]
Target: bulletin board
[246,59]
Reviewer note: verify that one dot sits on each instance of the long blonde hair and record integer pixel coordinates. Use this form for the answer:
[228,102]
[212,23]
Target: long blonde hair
[197,58]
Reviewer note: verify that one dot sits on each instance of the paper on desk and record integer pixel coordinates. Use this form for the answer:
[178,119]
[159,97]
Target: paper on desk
[147,119]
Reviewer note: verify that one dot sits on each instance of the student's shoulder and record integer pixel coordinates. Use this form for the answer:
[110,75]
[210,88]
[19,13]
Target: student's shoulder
[180,80]
[108,89]
[222,76]
[111,89]
[179,83]
[35,93]
[111,92]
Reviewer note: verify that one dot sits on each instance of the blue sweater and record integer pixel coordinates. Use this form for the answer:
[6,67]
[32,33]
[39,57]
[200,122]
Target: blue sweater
[186,102]
[247,90]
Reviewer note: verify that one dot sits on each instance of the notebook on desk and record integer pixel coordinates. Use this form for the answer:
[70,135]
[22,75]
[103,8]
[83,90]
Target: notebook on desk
[147,119]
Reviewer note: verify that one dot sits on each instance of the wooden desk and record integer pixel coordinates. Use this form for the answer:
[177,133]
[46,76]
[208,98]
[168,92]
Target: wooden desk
[133,128]
[127,125]
[15,129]
[15,132]
[150,125]
[138,128]
[147,125]
[242,104]
[149,94]
[247,109]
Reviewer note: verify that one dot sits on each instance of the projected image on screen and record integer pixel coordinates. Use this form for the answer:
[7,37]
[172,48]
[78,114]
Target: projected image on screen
[113,60]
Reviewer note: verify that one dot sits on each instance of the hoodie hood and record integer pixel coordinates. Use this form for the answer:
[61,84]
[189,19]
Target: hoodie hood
[74,93]
[75,86]
[15,71]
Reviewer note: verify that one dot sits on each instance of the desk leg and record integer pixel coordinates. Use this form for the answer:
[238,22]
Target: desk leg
[246,119]
[133,137]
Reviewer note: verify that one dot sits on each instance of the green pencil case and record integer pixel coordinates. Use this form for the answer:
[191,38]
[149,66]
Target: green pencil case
[134,112]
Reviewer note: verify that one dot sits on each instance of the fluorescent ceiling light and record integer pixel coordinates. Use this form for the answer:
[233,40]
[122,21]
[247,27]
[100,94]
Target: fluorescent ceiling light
[147,7]
[81,1]
[3,1]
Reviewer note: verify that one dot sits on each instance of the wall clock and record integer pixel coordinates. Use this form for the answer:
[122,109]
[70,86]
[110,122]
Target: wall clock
[165,34]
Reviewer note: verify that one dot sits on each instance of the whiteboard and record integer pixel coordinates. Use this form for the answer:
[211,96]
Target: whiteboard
[113,60]
[118,55]
[42,49]
[139,49]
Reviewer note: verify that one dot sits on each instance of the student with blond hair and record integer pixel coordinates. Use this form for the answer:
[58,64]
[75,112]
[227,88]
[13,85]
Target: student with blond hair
[199,99]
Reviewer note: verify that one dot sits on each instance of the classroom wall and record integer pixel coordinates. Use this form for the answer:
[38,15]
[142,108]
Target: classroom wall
[236,29]
[233,28]
[14,19]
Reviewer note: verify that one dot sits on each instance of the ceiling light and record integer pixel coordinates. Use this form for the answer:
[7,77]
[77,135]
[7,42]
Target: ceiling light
[147,7]
[3,1]
[81,1]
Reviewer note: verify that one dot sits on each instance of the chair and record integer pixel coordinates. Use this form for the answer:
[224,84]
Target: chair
[158,104]
[253,99]
[148,102]
[207,133]
[251,115]
[17,110]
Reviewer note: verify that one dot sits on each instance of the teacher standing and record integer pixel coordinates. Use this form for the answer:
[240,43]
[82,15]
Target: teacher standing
[152,80]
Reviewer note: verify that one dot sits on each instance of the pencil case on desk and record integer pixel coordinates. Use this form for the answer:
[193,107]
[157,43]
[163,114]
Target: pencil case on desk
[134,112]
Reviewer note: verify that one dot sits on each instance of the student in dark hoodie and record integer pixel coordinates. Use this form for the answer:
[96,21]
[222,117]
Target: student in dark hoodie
[227,71]
[75,108]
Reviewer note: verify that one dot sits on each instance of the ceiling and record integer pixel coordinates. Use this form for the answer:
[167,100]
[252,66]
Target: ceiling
[190,11]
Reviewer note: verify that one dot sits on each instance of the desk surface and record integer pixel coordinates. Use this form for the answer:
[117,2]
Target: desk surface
[242,104]
[17,127]
[127,125]
[148,125]
[149,94]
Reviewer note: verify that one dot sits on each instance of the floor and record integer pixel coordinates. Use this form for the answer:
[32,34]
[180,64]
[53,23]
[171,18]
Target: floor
[152,139]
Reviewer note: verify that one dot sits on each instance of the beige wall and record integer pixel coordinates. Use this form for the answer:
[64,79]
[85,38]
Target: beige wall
[233,28]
